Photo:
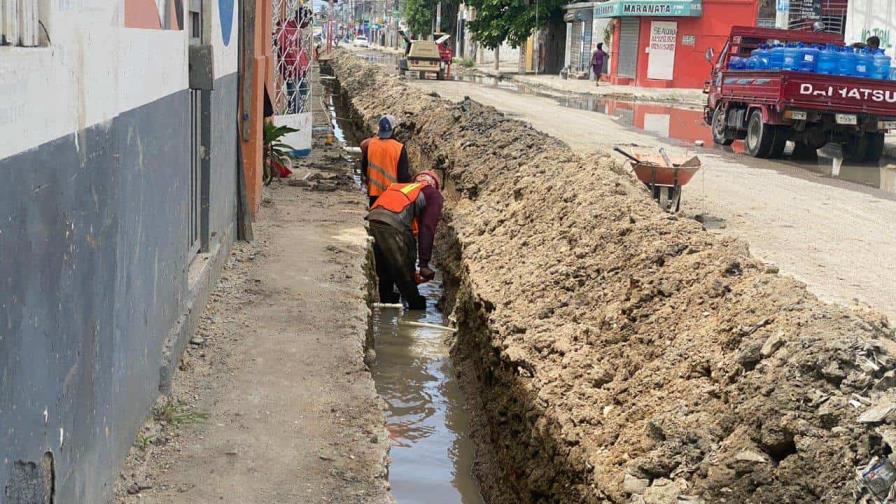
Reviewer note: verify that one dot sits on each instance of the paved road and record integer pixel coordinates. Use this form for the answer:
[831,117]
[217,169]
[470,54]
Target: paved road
[838,237]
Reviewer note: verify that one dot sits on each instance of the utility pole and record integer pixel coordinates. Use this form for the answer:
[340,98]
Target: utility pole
[537,37]
[438,18]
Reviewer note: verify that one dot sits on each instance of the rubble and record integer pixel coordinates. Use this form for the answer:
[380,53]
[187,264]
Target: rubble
[615,345]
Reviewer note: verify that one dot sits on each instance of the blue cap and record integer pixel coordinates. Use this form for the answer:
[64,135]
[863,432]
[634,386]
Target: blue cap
[386,126]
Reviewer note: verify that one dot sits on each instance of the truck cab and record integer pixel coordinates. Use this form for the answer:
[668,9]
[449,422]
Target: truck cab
[768,107]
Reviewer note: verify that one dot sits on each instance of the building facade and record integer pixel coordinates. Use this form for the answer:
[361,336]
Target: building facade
[661,43]
[120,159]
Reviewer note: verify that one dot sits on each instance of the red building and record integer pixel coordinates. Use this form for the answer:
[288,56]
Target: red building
[661,43]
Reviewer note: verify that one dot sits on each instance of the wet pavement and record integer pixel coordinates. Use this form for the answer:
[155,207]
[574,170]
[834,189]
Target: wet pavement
[432,454]
[685,126]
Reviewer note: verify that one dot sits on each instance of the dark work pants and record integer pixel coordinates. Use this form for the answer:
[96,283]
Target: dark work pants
[395,252]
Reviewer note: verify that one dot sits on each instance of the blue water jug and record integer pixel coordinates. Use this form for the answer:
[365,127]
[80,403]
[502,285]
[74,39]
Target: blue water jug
[882,65]
[791,58]
[776,58]
[864,64]
[808,59]
[847,64]
[762,54]
[737,63]
[828,60]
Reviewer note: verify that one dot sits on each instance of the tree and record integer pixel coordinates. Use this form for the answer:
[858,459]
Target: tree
[513,21]
[420,15]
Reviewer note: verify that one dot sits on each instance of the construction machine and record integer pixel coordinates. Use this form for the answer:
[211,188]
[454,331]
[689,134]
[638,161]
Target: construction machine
[427,56]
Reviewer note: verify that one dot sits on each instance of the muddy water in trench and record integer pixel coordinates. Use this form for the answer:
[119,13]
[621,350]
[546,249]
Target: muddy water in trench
[432,455]
[431,450]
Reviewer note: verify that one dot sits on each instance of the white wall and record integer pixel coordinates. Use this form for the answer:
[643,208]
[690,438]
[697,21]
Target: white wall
[506,53]
[865,18]
[93,69]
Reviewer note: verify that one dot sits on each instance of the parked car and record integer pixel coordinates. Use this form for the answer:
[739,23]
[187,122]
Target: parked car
[361,41]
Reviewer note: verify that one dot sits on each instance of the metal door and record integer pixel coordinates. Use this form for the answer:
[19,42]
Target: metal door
[629,31]
[587,28]
[575,52]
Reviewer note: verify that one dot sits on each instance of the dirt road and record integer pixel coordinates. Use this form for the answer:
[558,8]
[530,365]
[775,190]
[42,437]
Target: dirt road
[837,237]
[274,402]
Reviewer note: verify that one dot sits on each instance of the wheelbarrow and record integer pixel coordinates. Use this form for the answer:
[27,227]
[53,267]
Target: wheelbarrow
[663,176]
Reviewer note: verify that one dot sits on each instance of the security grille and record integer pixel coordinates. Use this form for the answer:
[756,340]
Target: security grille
[575,54]
[292,48]
[20,23]
[805,13]
[628,47]
[587,28]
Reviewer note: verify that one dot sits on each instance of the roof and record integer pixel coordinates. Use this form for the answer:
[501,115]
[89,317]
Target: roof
[582,5]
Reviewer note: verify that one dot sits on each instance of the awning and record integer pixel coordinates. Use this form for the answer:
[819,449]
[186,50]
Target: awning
[654,8]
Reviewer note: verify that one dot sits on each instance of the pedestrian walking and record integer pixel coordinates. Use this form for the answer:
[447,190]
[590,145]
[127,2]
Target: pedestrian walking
[597,62]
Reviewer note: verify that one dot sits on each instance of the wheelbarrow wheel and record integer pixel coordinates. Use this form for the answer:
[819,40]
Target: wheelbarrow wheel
[668,197]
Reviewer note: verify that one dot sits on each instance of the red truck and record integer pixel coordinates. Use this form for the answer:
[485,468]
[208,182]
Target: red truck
[767,108]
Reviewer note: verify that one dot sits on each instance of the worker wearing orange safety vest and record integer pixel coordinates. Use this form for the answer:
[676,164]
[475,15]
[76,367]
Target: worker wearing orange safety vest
[403,223]
[384,160]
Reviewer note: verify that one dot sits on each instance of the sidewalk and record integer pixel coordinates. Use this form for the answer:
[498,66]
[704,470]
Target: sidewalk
[273,401]
[508,70]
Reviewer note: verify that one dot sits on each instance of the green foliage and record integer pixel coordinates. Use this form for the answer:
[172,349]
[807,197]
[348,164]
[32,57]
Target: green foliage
[512,21]
[419,15]
[274,149]
[175,414]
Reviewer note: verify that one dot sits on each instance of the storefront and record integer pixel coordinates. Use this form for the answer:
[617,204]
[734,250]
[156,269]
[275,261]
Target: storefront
[661,43]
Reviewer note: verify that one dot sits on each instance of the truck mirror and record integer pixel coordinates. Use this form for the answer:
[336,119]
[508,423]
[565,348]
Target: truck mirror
[709,55]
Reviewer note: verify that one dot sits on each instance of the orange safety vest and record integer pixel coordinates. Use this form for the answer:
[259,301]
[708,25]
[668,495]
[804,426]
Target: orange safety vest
[397,198]
[382,164]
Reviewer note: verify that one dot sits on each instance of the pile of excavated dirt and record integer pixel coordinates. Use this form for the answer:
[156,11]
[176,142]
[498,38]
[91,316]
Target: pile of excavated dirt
[623,354]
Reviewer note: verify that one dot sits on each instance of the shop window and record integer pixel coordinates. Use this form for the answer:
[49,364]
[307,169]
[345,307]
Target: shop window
[22,23]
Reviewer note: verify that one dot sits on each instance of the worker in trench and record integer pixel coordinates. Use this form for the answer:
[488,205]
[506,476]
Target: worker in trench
[403,223]
[384,160]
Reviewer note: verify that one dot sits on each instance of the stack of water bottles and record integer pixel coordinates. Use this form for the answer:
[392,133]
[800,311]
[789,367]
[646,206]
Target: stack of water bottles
[828,60]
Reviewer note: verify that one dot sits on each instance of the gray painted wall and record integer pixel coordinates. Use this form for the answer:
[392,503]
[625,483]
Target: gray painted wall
[93,278]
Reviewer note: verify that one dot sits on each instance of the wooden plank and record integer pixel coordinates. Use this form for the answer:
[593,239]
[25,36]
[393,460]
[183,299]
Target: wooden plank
[247,32]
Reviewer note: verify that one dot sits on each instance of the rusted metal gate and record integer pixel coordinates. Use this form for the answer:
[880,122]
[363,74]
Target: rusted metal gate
[293,51]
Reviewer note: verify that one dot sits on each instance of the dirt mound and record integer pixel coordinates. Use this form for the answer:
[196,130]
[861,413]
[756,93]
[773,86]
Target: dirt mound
[625,354]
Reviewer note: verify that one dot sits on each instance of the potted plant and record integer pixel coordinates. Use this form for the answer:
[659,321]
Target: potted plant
[277,155]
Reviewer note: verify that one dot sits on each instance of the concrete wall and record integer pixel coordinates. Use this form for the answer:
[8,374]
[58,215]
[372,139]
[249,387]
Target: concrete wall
[94,259]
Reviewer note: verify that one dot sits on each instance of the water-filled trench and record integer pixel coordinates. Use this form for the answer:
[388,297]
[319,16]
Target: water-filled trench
[431,452]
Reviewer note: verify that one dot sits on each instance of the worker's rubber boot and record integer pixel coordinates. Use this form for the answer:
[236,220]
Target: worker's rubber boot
[418,303]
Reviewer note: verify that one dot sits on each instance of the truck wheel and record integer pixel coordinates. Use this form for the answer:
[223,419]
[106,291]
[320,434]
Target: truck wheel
[780,142]
[760,136]
[874,147]
[721,133]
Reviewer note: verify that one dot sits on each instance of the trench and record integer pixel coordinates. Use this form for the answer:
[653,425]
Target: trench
[432,452]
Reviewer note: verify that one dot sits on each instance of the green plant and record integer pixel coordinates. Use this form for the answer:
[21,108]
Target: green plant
[143,441]
[275,151]
[175,413]
[468,63]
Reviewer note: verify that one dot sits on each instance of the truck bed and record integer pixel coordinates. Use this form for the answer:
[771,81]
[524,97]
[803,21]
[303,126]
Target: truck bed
[810,91]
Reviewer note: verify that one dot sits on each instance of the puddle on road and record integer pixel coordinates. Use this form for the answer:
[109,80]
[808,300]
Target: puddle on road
[432,454]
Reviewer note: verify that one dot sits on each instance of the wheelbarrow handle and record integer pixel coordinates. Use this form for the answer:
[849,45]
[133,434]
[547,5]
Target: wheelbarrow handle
[626,154]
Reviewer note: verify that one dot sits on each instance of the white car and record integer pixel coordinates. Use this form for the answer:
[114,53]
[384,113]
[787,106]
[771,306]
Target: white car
[361,41]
